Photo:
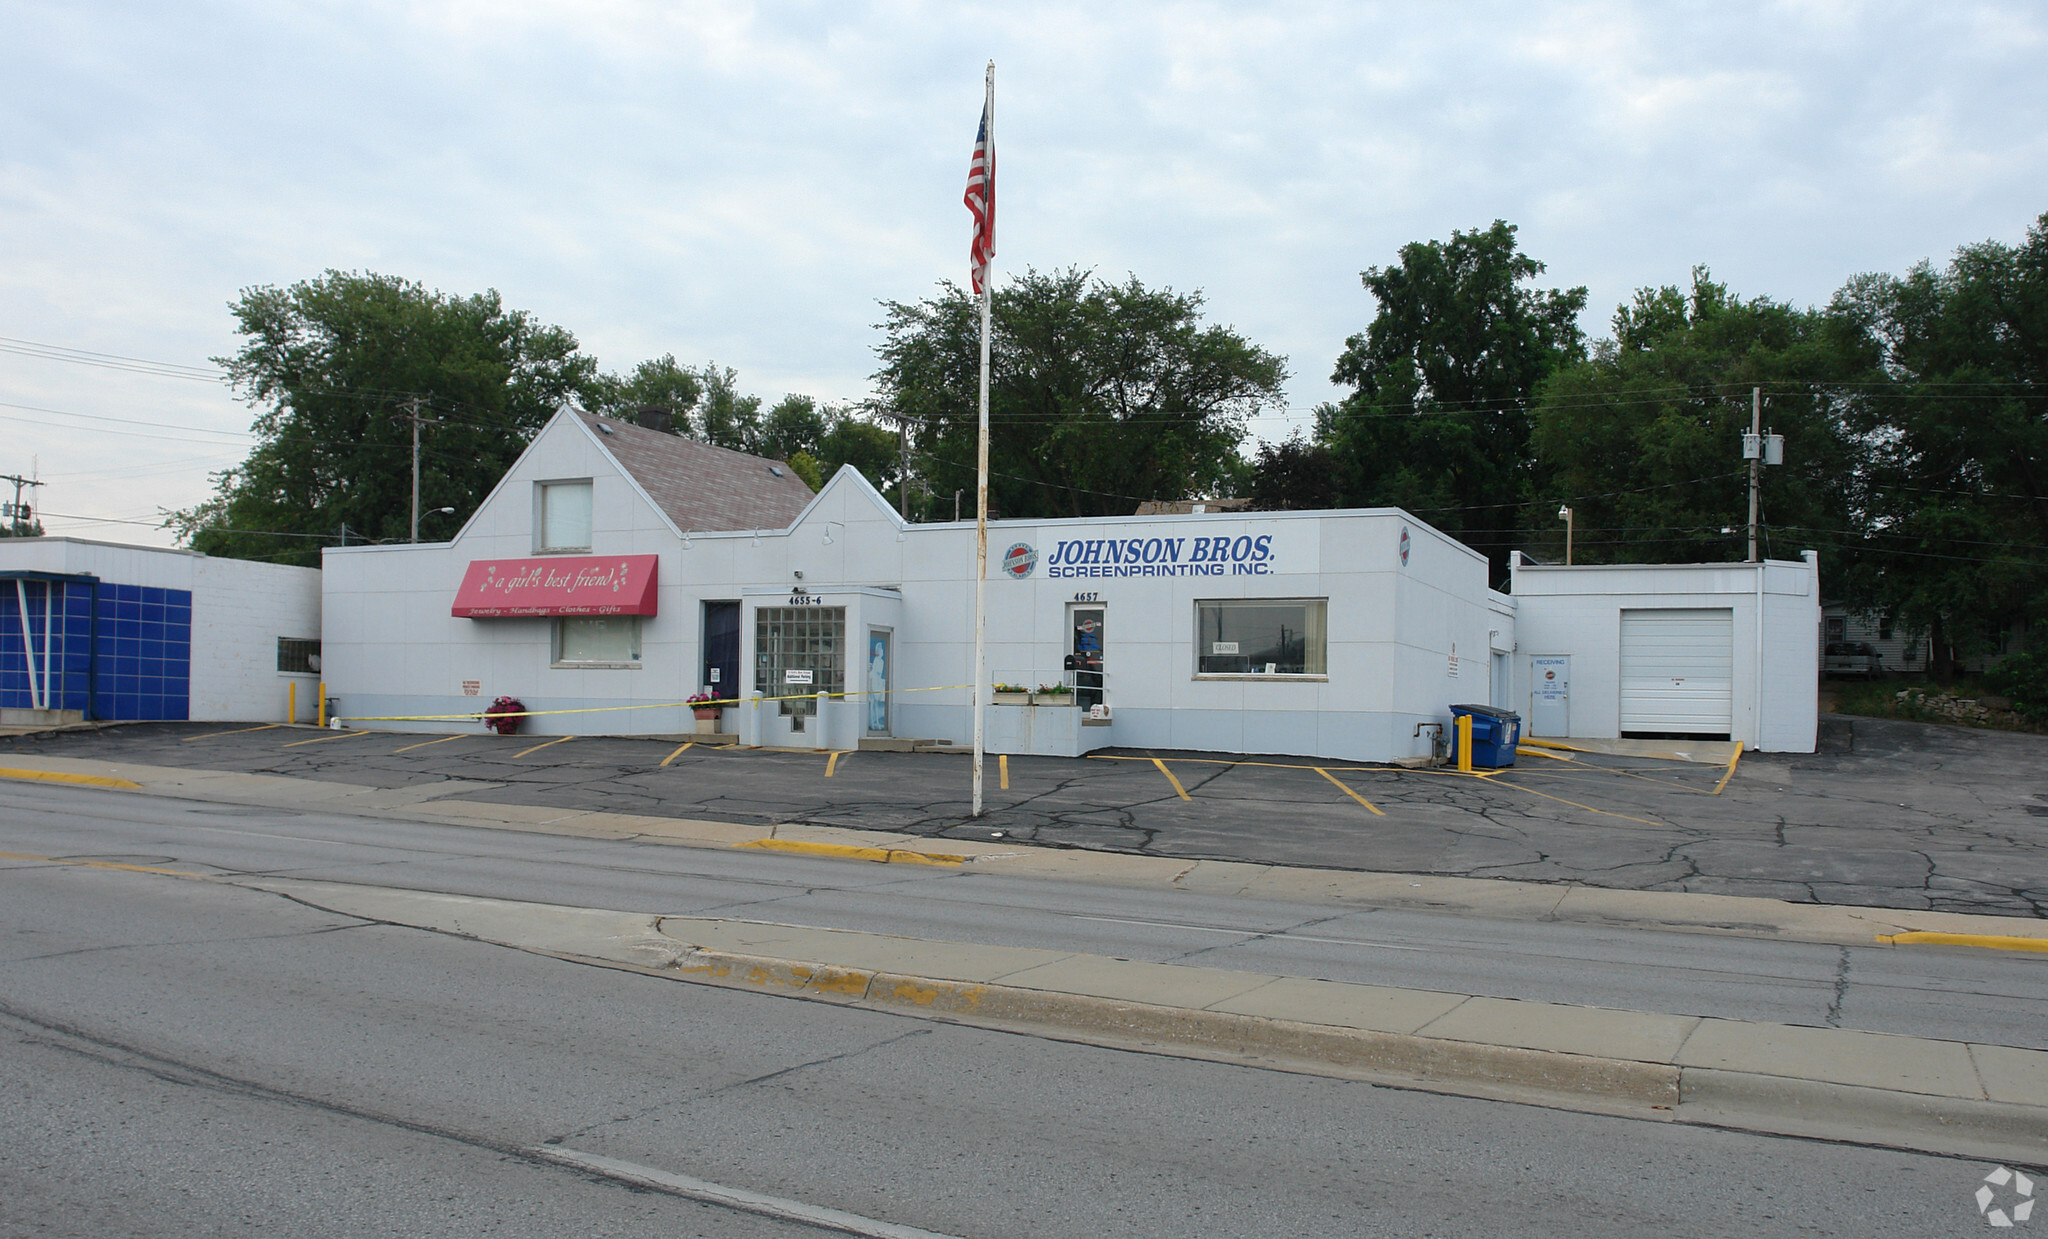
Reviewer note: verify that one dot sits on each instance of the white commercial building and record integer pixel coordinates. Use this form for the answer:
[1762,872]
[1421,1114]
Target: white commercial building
[1729,650]
[616,570]
[98,630]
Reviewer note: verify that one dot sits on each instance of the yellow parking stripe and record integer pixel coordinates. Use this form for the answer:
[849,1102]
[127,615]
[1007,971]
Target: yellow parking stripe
[1734,757]
[1348,792]
[538,747]
[339,735]
[236,732]
[1003,765]
[832,762]
[410,747]
[1170,779]
[54,776]
[678,753]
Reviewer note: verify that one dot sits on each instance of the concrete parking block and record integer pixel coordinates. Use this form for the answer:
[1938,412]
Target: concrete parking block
[1834,1055]
[1307,1000]
[1171,985]
[2018,1076]
[1635,1035]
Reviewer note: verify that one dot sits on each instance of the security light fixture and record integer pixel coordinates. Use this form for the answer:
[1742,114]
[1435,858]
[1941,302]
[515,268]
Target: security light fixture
[1565,514]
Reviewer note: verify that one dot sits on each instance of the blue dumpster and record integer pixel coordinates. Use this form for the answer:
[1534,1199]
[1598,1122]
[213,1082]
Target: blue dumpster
[1495,732]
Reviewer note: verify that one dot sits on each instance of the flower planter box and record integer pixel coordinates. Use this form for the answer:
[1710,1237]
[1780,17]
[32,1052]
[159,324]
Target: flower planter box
[1013,699]
[1052,699]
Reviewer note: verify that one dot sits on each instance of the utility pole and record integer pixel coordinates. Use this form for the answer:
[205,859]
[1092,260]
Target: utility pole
[14,512]
[902,421]
[412,407]
[1756,460]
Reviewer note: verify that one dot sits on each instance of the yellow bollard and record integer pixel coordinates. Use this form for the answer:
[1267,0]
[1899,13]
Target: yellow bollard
[1464,744]
[322,718]
[291,701]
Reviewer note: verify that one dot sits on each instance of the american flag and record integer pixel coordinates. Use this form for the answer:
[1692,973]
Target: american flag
[981,202]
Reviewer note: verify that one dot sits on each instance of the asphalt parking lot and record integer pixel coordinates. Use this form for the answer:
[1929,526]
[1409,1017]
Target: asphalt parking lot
[1887,814]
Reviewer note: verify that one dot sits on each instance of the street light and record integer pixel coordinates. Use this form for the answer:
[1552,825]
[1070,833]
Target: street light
[1565,514]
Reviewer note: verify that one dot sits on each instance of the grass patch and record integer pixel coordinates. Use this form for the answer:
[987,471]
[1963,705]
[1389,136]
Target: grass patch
[1961,704]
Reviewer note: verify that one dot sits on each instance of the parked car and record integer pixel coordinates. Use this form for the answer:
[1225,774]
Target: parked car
[1850,660]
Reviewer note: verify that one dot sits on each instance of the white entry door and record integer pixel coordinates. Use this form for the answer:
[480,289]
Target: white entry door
[1678,672]
[1550,695]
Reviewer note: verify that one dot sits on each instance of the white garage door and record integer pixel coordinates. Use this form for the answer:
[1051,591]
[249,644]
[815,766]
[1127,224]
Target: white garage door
[1678,672]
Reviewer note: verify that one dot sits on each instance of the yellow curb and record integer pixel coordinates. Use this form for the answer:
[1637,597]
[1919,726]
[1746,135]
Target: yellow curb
[889,856]
[52,776]
[99,864]
[1990,942]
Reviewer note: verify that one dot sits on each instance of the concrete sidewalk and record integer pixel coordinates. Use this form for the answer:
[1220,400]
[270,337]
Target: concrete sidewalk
[1961,1099]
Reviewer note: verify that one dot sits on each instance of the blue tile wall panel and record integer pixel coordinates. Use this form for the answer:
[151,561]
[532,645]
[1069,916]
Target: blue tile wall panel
[145,648]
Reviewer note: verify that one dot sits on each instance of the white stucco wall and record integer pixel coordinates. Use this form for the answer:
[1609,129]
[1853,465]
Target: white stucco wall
[1577,610]
[392,647]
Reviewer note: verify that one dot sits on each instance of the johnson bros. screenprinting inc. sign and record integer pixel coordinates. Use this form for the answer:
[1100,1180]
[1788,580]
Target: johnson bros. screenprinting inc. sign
[1243,555]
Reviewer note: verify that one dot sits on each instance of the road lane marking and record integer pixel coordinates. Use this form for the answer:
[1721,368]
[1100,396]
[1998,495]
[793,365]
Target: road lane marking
[1170,779]
[410,747]
[58,776]
[538,747]
[1734,757]
[1348,792]
[236,732]
[678,753]
[736,1198]
[1003,766]
[339,735]
[844,851]
[1994,942]
[100,864]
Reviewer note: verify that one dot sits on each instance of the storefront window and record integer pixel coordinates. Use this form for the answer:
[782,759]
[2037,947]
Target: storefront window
[1261,636]
[807,641]
[565,516]
[597,641]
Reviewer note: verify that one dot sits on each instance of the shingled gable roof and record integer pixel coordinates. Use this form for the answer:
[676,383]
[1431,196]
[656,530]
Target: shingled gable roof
[703,489]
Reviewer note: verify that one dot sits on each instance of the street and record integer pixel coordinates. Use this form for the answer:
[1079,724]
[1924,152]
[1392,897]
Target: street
[192,1057]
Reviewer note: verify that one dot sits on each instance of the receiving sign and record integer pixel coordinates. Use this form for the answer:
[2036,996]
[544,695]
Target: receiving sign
[558,585]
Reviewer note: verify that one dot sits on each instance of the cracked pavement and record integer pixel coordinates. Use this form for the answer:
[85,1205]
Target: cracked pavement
[1886,814]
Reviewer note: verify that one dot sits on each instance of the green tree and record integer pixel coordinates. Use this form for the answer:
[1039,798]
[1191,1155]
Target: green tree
[725,418]
[660,383]
[795,424]
[1295,474]
[1643,439]
[1957,486]
[334,363]
[1442,380]
[1101,395]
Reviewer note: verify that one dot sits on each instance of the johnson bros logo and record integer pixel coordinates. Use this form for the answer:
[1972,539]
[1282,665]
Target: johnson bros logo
[1125,557]
[1019,560]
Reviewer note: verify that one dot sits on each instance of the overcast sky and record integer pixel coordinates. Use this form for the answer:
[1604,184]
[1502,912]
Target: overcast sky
[745,182]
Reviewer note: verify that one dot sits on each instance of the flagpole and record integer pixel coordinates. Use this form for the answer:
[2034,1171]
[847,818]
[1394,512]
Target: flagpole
[981,689]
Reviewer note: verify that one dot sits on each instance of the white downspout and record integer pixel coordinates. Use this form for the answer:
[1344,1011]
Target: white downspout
[1757,740]
[48,630]
[28,644]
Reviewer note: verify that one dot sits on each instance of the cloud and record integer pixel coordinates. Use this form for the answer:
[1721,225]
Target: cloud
[745,182]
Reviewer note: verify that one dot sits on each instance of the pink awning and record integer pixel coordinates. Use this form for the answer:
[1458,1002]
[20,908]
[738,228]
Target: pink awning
[558,585]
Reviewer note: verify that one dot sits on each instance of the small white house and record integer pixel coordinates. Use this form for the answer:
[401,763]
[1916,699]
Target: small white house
[1720,650]
[100,630]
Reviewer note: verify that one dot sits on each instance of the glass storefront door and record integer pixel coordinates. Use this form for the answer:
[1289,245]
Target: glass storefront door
[1084,656]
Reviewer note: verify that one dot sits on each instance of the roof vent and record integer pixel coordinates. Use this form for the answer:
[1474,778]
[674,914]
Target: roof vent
[654,417]
[775,469]
[603,429]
